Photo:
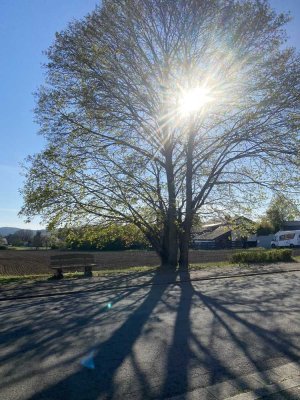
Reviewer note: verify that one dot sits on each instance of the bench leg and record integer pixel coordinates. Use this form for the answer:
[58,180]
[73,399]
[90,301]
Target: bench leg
[88,272]
[58,273]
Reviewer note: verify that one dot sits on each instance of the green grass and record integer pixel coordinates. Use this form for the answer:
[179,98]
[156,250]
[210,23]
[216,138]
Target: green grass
[72,275]
[22,278]
[113,271]
[211,264]
[18,248]
[106,272]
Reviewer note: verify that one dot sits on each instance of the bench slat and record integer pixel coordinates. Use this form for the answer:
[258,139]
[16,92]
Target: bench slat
[73,262]
[72,257]
[73,266]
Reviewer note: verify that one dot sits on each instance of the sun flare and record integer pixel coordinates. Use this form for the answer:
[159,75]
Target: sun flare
[194,99]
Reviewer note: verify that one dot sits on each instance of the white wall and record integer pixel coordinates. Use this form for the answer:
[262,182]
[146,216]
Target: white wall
[265,241]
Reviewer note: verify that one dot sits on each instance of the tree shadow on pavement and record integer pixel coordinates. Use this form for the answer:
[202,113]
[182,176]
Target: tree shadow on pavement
[108,355]
[46,287]
[240,324]
[174,337]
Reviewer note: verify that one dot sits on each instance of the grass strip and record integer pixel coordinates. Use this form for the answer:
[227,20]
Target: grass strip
[5,279]
[104,272]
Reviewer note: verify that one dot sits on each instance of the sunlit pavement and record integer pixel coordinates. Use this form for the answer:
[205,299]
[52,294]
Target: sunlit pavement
[210,339]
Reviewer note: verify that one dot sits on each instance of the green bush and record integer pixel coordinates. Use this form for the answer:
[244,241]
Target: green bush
[3,247]
[112,238]
[262,256]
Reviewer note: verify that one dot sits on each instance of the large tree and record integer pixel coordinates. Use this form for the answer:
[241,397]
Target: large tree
[155,111]
[281,210]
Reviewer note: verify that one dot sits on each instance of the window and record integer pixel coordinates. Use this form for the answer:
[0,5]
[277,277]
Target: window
[289,236]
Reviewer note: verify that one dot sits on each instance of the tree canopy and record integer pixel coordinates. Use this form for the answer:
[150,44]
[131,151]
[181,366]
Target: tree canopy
[112,237]
[156,111]
[281,210]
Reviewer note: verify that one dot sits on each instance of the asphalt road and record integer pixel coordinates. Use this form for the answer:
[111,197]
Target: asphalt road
[149,342]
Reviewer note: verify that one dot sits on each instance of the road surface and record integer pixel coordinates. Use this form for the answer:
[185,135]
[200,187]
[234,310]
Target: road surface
[148,342]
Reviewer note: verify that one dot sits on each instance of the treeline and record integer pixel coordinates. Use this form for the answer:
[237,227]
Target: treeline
[127,236]
[111,237]
[279,211]
[28,238]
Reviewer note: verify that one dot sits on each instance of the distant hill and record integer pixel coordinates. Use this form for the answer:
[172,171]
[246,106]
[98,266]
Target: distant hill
[7,230]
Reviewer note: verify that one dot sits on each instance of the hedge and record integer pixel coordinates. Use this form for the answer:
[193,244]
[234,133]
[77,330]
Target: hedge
[262,256]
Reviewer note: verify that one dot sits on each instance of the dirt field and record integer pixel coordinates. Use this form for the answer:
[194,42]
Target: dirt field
[37,261]
[20,262]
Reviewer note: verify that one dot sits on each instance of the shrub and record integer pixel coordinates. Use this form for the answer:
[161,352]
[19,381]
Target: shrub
[112,237]
[3,247]
[262,256]
[265,228]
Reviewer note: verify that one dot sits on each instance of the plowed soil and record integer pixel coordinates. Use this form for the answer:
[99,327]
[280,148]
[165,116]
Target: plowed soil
[13,262]
[29,262]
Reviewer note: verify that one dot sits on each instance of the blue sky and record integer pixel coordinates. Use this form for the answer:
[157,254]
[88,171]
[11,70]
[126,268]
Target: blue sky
[27,28]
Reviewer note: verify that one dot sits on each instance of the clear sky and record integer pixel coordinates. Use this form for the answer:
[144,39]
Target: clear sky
[27,28]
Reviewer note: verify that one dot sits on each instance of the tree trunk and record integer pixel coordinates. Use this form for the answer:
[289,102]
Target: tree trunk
[169,251]
[171,228]
[172,243]
[187,223]
[184,246]
[164,247]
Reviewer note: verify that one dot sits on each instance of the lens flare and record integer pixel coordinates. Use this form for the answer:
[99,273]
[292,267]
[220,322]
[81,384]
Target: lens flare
[194,99]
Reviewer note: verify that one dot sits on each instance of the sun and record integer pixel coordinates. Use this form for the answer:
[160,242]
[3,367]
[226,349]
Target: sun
[194,99]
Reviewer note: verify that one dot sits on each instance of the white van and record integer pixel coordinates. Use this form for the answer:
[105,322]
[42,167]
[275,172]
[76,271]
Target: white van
[286,239]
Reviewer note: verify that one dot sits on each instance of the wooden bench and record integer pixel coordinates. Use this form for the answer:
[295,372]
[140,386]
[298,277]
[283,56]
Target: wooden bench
[72,261]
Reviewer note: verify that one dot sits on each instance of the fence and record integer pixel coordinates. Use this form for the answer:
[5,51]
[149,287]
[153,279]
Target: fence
[212,245]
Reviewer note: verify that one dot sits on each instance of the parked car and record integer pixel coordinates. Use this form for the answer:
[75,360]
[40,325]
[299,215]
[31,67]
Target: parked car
[286,239]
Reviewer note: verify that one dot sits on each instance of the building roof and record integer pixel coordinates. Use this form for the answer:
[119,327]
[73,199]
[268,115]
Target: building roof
[291,223]
[215,234]
[211,225]
[206,228]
